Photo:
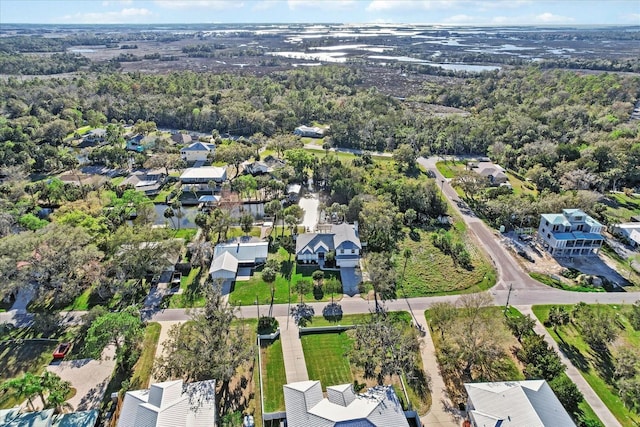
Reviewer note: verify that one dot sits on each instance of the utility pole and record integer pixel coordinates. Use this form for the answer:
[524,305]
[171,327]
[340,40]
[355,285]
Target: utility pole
[506,307]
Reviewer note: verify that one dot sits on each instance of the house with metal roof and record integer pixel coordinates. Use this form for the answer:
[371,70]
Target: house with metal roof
[46,418]
[306,406]
[170,404]
[628,231]
[201,177]
[515,403]
[342,238]
[570,233]
[224,266]
[309,131]
[197,151]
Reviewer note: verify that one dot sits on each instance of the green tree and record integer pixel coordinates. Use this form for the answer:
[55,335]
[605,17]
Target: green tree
[233,154]
[382,276]
[123,329]
[634,315]
[558,316]
[27,386]
[302,287]
[246,223]
[318,278]
[405,157]
[333,286]
[567,393]
[384,348]
[381,225]
[211,345]
[540,359]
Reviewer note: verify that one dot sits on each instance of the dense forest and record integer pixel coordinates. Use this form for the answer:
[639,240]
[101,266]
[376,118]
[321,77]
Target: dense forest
[545,123]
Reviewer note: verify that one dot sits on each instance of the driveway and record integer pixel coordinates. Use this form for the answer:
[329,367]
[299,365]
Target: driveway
[310,203]
[351,278]
[89,377]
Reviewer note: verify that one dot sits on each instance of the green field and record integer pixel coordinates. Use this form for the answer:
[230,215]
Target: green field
[326,356]
[621,207]
[595,366]
[431,272]
[273,375]
[450,169]
[143,368]
[554,283]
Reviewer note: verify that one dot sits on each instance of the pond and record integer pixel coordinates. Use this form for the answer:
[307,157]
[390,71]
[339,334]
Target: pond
[187,220]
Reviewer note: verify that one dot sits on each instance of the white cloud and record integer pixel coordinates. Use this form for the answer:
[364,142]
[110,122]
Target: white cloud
[543,18]
[633,18]
[460,19]
[264,5]
[127,15]
[202,4]
[467,5]
[110,2]
[325,4]
[550,18]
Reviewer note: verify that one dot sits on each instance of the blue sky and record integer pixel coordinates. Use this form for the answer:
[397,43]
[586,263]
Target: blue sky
[459,12]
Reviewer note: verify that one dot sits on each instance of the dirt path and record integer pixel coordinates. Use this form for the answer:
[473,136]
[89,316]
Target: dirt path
[441,412]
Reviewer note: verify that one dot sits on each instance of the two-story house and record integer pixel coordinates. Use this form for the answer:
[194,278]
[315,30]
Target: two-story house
[571,233]
[343,240]
[197,152]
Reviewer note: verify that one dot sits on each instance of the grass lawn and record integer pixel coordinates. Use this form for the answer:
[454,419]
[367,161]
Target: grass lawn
[19,357]
[191,295]
[621,207]
[81,302]
[519,186]
[245,293]
[554,283]
[591,364]
[327,360]
[354,319]
[450,169]
[144,366]
[273,375]
[117,180]
[431,272]
[326,356]
[341,155]
[185,233]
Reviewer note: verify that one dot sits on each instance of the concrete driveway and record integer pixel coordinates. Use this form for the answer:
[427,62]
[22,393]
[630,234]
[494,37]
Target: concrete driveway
[310,203]
[89,377]
[351,278]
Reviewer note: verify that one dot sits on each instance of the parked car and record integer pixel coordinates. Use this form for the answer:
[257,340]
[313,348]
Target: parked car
[526,256]
[61,350]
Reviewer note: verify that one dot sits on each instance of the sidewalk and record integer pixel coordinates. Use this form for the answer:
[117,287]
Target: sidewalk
[294,364]
[590,396]
[441,413]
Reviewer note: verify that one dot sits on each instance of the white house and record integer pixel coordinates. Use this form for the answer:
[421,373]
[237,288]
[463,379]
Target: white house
[514,404]
[342,239]
[629,231]
[308,131]
[571,233]
[198,151]
[229,257]
[306,406]
[200,177]
[170,404]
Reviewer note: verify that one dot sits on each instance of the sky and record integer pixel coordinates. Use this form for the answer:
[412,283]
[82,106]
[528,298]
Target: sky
[448,12]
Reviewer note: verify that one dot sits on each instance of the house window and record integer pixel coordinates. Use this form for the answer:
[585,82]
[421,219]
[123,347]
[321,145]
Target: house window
[546,223]
[555,228]
[353,251]
[548,236]
[578,218]
[580,227]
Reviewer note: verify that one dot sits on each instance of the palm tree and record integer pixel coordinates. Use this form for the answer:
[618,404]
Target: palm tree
[169,214]
[292,222]
[406,254]
[28,385]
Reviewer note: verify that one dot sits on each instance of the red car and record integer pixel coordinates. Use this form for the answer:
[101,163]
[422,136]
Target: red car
[61,350]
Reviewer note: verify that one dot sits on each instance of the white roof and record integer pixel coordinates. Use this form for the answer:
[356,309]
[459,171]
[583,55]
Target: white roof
[224,262]
[199,146]
[516,403]
[169,404]
[244,252]
[305,406]
[205,172]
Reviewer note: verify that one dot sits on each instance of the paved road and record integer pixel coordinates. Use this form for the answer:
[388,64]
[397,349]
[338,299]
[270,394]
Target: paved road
[348,150]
